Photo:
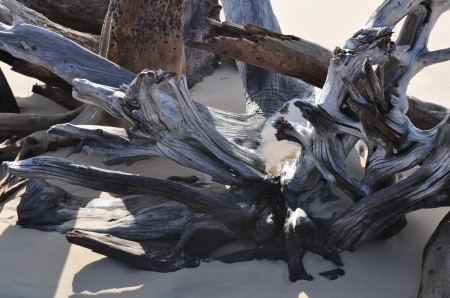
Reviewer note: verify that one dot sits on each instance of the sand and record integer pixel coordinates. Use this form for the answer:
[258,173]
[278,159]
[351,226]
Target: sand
[44,264]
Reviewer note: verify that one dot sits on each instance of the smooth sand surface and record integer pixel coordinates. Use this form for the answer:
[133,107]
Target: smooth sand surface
[44,264]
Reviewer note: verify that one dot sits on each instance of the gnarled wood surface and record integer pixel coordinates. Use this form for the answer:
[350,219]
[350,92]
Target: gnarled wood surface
[296,57]
[363,103]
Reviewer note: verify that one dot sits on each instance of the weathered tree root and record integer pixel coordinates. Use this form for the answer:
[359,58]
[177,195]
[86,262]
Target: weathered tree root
[201,225]
[317,205]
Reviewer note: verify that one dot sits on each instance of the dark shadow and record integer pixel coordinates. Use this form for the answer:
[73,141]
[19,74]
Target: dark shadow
[92,277]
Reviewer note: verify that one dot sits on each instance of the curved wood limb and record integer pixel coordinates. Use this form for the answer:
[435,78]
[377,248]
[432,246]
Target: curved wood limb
[177,127]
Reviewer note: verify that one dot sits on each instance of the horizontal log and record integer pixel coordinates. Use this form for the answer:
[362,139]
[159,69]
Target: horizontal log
[82,15]
[220,206]
[20,125]
[264,48]
[12,8]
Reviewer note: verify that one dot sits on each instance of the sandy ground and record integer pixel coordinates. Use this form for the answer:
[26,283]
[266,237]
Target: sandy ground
[43,264]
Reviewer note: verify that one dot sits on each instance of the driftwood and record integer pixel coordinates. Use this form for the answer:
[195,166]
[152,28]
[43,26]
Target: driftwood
[158,40]
[58,86]
[84,15]
[199,63]
[60,96]
[8,102]
[314,204]
[435,262]
[11,8]
[292,56]
[255,45]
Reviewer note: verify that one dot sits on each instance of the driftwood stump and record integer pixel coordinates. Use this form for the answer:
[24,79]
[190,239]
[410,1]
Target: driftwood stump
[314,204]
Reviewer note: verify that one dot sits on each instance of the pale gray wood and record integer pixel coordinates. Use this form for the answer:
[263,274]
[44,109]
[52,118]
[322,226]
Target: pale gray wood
[176,126]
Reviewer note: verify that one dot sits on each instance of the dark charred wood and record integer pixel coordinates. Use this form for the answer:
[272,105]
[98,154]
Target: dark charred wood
[298,236]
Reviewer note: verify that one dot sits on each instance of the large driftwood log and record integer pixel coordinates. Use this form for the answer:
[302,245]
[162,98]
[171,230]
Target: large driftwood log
[316,205]
[10,9]
[57,85]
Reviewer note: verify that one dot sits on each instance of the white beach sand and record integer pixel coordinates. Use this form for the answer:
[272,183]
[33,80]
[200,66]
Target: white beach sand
[44,264]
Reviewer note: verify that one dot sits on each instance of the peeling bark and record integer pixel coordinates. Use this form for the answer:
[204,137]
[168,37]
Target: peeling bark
[255,45]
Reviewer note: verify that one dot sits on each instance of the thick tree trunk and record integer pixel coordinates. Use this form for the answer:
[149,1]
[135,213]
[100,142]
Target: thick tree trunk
[139,34]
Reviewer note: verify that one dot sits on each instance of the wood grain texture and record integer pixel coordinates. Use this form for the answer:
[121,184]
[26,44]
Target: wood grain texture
[84,15]
[137,35]
[435,262]
[260,47]
[316,204]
